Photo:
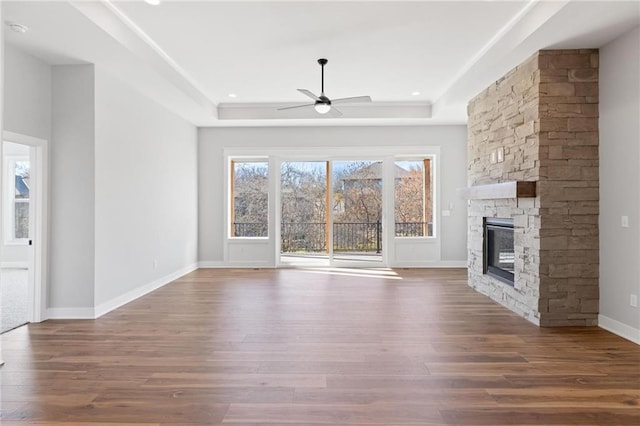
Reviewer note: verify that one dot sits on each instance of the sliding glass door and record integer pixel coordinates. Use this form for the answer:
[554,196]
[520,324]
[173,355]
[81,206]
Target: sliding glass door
[331,213]
[357,200]
[304,217]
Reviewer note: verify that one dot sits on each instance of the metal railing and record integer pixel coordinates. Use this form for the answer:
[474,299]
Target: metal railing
[250,229]
[359,237]
[414,229]
[310,237]
[306,237]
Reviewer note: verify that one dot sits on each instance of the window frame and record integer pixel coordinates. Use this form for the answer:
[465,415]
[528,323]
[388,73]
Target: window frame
[230,176]
[432,181]
[9,201]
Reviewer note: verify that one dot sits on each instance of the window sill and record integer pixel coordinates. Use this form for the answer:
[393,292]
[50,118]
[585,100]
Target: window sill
[249,240]
[417,240]
[17,243]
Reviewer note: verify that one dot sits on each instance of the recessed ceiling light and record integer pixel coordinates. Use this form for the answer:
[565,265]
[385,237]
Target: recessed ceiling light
[17,28]
[232,95]
[415,93]
[153,2]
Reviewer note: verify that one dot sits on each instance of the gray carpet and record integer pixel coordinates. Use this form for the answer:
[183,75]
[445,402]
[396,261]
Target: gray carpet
[13,297]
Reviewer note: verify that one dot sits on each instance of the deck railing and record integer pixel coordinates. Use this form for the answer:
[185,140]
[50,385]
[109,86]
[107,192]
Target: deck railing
[310,237]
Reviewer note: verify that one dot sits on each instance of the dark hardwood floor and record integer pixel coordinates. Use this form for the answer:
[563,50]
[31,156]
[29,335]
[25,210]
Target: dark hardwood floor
[296,347]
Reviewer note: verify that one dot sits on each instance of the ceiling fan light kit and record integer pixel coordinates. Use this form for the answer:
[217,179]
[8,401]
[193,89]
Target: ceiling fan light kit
[324,105]
[322,108]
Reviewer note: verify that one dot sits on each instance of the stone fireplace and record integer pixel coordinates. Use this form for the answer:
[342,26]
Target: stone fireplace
[538,125]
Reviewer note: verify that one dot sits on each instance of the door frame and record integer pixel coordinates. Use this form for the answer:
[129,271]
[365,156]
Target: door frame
[277,177]
[38,265]
[387,203]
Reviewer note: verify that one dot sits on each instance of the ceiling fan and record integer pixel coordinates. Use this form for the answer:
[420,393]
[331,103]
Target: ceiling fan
[323,104]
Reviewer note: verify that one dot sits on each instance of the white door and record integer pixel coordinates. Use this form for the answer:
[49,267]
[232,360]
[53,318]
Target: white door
[22,230]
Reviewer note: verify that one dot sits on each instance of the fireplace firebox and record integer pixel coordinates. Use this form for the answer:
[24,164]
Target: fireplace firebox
[499,255]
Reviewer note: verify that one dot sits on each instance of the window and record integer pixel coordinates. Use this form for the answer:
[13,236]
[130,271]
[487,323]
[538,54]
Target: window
[17,193]
[249,198]
[413,198]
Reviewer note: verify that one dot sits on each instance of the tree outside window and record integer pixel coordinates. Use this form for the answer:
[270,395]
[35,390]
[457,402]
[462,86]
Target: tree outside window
[249,199]
[413,198]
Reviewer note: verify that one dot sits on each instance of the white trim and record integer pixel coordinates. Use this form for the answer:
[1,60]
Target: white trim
[619,328]
[249,240]
[416,240]
[245,265]
[70,313]
[22,139]
[110,305]
[136,293]
[332,153]
[432,264]
[14,265]
[38,252]
[107,16]
[235,265]
[211,264]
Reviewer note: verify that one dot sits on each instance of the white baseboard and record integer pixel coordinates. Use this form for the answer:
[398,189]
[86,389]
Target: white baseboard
[14,265]
[246,265]
[211,264]
[230,265]
[433,264]
[134,294]
[70,313]
[110,305]
[619,328]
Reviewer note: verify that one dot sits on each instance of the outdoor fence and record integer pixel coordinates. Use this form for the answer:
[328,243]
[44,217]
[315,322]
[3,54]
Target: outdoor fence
[250,229]
[310,237]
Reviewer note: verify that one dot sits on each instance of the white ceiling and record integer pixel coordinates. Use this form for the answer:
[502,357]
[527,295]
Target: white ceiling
[189,56]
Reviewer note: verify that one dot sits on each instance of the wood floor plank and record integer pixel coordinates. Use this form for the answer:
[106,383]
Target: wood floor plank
[185,380]
[540,416]
[30,422]
[372,414]
[308,348]
[434,397]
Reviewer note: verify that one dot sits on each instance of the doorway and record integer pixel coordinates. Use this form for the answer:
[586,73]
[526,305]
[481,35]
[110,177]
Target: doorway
[304,213]
[357,212]
[331,213]
[21,265]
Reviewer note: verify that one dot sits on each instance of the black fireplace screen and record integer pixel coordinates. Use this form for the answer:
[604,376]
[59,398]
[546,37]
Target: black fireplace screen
[498,249]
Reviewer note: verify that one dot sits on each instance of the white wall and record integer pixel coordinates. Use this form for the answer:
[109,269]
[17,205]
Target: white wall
[145,191]
[71,273]
[213,142]
[123,183]
[620,182]
[2,96]
[28,94]
[27,112]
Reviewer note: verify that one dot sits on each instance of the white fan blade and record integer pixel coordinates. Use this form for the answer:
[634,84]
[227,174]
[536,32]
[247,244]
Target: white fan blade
[296,106]
[309,94]
[352,99]
[333,112]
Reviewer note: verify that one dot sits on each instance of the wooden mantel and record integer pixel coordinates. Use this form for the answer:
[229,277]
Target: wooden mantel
[515,189]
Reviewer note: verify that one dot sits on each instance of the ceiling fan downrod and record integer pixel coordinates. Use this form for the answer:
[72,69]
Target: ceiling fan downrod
[322,62]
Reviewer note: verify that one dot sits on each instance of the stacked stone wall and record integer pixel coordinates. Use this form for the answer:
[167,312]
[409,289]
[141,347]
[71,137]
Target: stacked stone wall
[541,120]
